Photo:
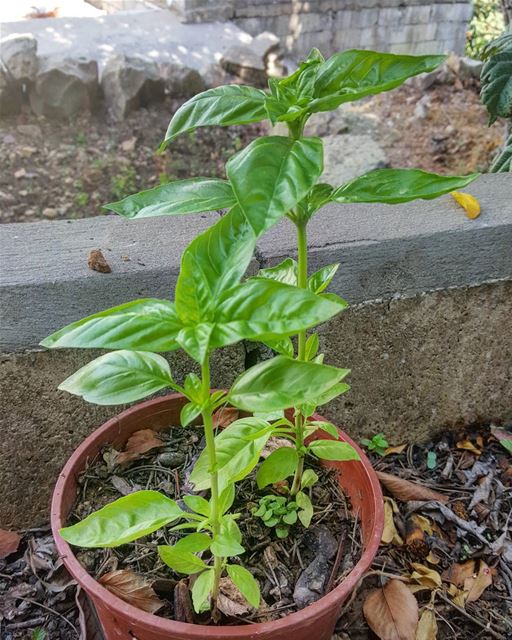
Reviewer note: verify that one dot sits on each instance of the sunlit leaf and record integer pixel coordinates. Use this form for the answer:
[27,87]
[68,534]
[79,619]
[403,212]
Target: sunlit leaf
[271,175]
[333,450]
[180,560]
[245,583]
[394,186]
[279,465]
[201,590]
[127,519]
[226,105]
[146,325]
[120,377]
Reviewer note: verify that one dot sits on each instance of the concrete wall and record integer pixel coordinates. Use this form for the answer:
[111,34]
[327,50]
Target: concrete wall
[414,26]
[427,337]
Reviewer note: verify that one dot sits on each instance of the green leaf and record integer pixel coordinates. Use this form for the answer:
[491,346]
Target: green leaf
[197,504]
[328,427]
[174,198]
[271,175]
[496,78]
[321,279]
[229,528]
[127,519]
[282,532]
[285,272]
[245,583]
[194,542]
[211,264]
[280,464]
[431,460]
[281,383]
[201,590]
[289,518]
[226,105]
[306,508]
[120,377]
[146,325]
[312,345]
[226,498]
[196,340]
[319,195]
[224,546]
[331,393]
[309,478]
[284,346]
[333,450]
[268,310]
[354,74]
[237,453]
[189,412]
[39,634]
[393,186]
[503,161]
[180,560]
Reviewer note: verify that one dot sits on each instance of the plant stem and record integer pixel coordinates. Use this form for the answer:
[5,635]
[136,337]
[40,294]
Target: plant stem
[302,283]
[214,476]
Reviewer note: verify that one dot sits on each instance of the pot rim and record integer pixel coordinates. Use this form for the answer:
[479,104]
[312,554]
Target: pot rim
[199,631]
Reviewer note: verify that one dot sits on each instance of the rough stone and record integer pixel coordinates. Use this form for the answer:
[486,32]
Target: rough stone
[470,68]
[181,81]
[129,82]
[347,156]
[243,62]
[11,96]
[64,87]
[264,44]
[19,55]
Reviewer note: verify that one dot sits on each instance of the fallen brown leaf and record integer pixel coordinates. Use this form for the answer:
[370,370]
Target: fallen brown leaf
[427,626]
[96,261]
[398,449]
[224,416]
[425,576]
[405,490]
[467,445]
[138,444]
[9,543]
[274,443]
[458,573]
[131,588]
[230,601]
[392,612]
[476,585]
[390,534]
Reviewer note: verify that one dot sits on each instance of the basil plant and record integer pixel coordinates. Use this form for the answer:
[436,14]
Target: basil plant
[215,306]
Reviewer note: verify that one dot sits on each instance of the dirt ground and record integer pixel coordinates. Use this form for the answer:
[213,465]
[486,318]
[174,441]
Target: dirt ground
[54,170]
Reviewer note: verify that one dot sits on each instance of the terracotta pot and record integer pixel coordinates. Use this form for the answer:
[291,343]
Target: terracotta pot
[123,621]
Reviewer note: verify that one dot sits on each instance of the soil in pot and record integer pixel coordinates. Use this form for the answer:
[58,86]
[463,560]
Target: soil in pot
[293,572]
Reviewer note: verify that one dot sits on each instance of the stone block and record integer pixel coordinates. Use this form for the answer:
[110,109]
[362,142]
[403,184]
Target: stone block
[19,55]
[130,82]
[244,63]
[181,81]
[64,87]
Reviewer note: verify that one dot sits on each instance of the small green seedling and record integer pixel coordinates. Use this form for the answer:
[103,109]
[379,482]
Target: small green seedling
[378,444]
[277,512]
[216,305]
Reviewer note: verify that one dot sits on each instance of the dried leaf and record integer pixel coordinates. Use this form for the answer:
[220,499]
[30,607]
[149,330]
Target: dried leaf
[467,445]
[131,588]
[458,573]
[405,490]
[425,576]
[392,612]
[504,438]
[230,601]
[398,449]
[469,203]
[9,543]
[224,416]
[475,586]
[273,444]
[138,444]
[390,534]
[427,626]
[96,261]
[458,595]
[432,558]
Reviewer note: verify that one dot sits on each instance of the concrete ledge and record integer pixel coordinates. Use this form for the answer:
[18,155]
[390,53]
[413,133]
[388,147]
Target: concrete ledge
[428,335]
[384,251]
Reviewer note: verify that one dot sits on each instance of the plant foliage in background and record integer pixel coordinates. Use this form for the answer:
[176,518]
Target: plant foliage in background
[496,92]
[487,23]
[215,306]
